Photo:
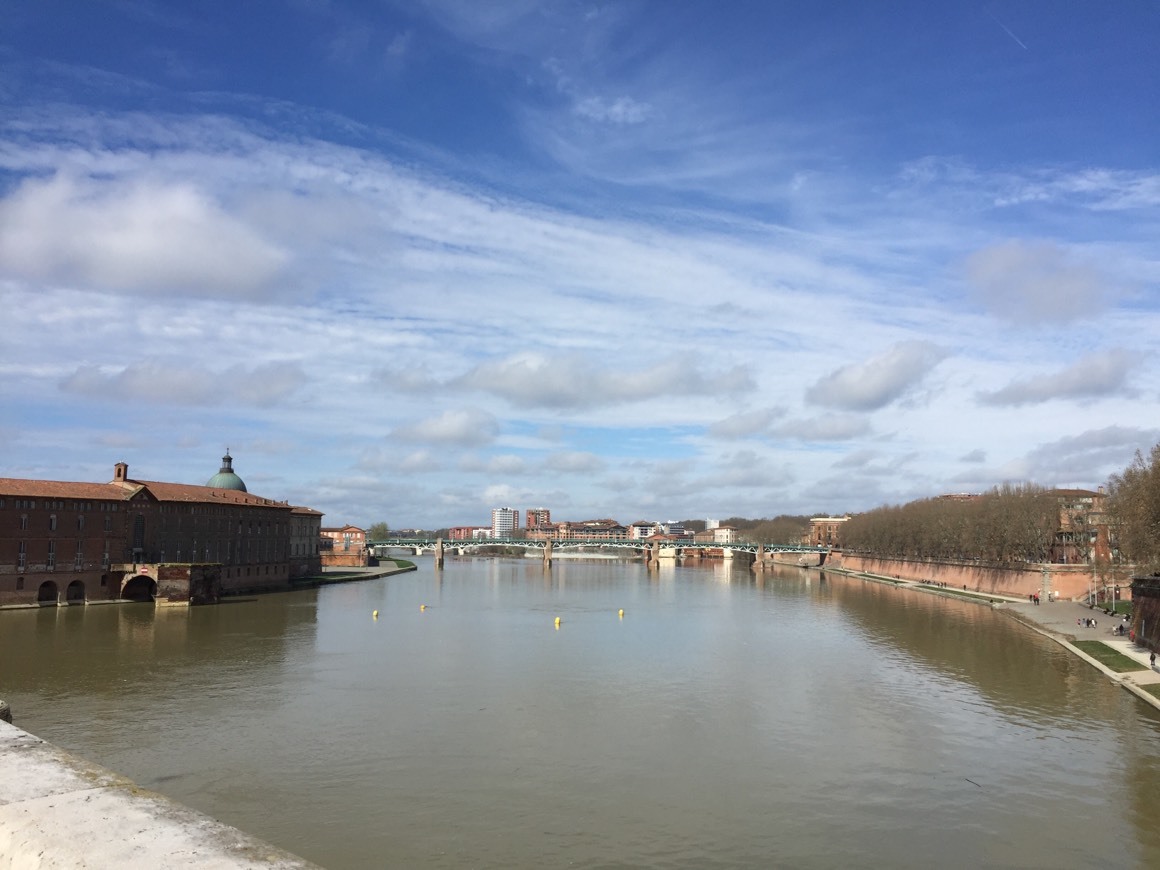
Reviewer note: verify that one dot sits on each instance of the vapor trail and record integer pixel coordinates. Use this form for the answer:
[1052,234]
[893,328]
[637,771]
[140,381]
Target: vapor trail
[1008,29]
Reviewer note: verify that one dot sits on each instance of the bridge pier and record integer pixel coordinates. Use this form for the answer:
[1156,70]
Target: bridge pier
[759,558]
[547,554]
[438,552]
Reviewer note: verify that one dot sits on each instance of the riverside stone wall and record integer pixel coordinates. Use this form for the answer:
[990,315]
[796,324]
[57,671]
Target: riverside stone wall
[1146,611]
[1066,581]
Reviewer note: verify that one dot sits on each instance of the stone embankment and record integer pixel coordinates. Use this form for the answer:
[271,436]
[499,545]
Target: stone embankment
[1018,581]
[57,810]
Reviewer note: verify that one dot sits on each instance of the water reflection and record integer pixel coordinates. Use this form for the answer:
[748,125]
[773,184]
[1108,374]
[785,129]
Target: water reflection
[728,720]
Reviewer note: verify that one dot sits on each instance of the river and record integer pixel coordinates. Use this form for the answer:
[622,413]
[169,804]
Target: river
[798,720]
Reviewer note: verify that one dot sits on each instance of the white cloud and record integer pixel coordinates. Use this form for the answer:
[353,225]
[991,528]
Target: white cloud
[1096,375]
[575,381]
[501,464]
[878,381]
[827,427]
[160,383]
[574,462]
[465,427]
[419,461]
[622,110]
[745,424]
[141,236]
[1038,283]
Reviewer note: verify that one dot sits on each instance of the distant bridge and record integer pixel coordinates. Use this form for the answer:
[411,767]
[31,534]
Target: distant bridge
[418,546]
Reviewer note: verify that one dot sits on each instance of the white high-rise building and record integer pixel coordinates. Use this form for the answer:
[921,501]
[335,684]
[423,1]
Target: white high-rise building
[504,521]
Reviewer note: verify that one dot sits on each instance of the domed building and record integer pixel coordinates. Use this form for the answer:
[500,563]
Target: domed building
[226,478]
[70,542]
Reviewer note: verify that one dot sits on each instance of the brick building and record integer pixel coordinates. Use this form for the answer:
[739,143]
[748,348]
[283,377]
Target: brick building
[70,542]
[825,532]
[537,517]
[344,547]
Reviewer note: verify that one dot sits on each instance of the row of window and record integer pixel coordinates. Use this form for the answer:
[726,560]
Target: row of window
[52,523]
[50,558]
[29,504]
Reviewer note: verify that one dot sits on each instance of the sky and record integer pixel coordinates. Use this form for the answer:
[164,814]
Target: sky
[411,261]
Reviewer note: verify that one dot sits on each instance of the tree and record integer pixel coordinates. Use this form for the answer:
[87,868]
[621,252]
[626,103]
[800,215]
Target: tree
[378,532]
[1134,507]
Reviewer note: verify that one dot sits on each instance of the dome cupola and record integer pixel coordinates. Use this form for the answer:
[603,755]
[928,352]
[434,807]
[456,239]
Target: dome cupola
[226,478]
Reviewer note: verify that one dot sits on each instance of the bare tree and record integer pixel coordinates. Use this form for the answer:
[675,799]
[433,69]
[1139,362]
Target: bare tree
[1134,509]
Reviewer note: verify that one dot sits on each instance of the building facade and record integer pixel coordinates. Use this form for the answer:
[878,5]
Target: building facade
[70,542]
[825,531]
[537,517]
[343,547]
[504,521]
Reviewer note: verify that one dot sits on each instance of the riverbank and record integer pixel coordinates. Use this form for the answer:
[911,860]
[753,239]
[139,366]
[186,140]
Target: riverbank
[328,577]
[1061,621]
[58,810]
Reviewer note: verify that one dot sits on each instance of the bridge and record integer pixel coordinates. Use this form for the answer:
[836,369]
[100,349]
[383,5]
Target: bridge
[418,546]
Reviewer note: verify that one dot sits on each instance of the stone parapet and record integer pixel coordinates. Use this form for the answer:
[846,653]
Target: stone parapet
[57,810]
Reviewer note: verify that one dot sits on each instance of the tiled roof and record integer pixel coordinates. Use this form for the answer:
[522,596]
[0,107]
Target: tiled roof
[13,486]
[204,494]
[124,490]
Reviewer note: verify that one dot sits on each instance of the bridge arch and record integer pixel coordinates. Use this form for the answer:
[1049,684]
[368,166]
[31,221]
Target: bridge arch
[139,588]
[47,593]
[75,593]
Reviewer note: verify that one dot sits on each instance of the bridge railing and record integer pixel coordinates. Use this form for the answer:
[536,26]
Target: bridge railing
[619,543]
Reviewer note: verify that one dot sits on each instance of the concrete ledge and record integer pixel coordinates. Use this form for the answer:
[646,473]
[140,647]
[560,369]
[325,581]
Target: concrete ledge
[57,810]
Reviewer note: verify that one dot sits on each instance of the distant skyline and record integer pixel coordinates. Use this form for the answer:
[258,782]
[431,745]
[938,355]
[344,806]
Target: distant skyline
[413,261]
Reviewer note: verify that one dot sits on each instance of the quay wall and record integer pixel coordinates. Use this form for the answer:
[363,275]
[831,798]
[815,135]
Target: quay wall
[58,810]
[1072,582]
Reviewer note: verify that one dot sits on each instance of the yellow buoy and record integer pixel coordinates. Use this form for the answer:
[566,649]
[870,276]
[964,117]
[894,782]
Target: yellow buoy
[620,613]
[422,606]
[375,614]
[557,622]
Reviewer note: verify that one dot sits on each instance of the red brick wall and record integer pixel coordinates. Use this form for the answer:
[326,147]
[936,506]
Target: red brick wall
[1067,581]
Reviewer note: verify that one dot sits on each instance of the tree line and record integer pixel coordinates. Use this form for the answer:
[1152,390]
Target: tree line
[1134,512]
[1015,522]
[1010,523]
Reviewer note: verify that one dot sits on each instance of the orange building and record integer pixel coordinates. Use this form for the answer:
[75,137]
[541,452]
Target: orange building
[825,531]
[344,547]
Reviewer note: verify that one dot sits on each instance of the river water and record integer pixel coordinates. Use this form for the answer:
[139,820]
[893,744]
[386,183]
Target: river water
[796,720]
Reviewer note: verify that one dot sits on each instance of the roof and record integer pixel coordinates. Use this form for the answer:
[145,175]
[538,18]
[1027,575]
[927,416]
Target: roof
[10,486]
[124,490]
[299,509]
[226,478]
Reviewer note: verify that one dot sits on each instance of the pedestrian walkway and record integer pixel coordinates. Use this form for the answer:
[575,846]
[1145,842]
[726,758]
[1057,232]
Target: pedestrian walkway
[1058,621]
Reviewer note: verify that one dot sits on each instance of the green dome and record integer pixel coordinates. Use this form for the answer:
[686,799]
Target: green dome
[225,478]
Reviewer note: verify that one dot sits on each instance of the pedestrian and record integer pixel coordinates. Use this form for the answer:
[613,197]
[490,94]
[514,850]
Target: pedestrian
[1152,661]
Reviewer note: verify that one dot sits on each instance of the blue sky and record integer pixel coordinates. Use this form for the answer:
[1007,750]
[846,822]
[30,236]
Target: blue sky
[647,260]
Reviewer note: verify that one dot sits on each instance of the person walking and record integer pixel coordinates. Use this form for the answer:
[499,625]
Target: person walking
[1152,661]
